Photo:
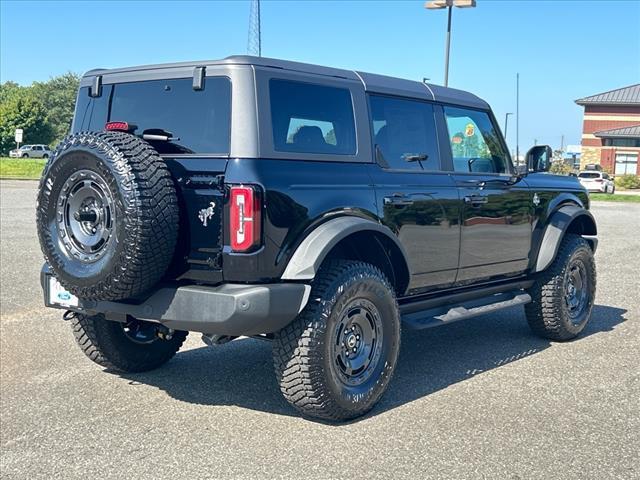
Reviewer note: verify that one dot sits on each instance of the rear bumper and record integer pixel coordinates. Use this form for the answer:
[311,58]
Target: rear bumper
[227,309]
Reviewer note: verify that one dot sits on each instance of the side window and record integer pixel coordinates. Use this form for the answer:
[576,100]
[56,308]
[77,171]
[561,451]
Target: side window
[404,133]
[310,118]
[475,143]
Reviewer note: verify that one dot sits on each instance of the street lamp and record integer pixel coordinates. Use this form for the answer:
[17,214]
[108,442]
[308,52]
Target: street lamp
[438,5]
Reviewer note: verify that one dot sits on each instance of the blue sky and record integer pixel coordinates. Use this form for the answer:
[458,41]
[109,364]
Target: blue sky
[563,50]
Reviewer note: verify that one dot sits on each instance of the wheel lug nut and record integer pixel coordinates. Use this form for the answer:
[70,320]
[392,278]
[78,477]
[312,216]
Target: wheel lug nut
[354,349]
[357,337]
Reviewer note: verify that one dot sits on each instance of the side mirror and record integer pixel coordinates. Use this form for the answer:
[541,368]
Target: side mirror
[539,158]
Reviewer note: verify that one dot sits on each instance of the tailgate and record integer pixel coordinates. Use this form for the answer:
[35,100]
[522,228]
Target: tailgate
[200,186]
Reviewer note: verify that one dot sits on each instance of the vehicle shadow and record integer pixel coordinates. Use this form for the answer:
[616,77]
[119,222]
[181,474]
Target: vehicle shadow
[240,373]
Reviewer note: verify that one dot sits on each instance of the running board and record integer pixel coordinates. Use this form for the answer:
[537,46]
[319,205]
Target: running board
[433,317]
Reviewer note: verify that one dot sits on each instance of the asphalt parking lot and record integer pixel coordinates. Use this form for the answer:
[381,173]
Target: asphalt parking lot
[482,398]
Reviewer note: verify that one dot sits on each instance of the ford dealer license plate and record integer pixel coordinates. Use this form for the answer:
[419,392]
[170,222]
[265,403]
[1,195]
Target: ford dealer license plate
[59,296]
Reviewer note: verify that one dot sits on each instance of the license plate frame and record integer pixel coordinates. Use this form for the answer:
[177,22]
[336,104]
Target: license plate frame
[58,296]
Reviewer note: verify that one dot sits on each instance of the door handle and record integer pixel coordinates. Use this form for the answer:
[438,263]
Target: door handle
[476,200]
[398,199]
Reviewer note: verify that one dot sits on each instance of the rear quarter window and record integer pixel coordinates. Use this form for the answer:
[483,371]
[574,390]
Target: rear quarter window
[311,118]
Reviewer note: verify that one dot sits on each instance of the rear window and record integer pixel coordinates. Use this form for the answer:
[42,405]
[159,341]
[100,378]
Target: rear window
[199,121]
[589,175]
[309,118]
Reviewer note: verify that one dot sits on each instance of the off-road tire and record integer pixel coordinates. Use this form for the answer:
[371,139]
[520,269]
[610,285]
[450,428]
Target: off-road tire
[145,215]
[548,312]
[106,343]
[303,362]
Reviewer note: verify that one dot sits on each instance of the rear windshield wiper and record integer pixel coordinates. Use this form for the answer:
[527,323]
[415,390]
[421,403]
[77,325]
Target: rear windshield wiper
[158,135]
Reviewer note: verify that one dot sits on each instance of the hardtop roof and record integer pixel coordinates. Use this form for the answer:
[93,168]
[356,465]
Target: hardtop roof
[371,82]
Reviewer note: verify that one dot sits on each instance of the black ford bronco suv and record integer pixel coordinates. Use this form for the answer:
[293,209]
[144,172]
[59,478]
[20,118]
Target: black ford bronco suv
[313,207]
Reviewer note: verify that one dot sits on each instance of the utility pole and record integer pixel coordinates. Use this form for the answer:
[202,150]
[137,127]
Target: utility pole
[254,43]
[562,143]
[449,4]
[518,118]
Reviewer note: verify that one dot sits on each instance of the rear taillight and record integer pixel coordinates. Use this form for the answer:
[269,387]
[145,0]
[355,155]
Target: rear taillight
[245,213]
[598,180]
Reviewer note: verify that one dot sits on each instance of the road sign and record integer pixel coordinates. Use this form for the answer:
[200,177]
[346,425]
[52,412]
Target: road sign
[19,135]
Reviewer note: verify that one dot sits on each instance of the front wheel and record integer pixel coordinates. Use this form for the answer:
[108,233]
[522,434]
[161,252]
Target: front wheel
[563,295]
[134,346]
[336,359]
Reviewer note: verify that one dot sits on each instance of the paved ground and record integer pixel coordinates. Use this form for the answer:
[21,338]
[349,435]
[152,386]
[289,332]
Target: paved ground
[479,399]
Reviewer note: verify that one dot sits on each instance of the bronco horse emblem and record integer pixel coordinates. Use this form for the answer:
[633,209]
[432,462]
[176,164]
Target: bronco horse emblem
[206,214]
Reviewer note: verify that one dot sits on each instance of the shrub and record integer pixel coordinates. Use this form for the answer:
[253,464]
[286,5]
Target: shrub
[627,181]
[559,167]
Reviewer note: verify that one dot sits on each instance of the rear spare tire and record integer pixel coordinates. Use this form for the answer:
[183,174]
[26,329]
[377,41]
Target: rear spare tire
[107,215]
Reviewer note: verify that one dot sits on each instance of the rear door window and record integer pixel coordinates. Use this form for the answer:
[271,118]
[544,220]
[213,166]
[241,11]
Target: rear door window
[197,120]
[404,133]
[311,118]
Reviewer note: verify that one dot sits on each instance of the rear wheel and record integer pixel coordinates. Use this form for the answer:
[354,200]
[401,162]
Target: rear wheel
[336,359]
[563,295]
[134,346]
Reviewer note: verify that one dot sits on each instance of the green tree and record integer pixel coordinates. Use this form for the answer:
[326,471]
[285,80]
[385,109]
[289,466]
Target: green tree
[58,95]
[558,165]
[20,108]
[7,89]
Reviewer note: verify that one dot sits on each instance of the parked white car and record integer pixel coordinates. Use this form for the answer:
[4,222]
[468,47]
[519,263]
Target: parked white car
[31,151]
[595,181]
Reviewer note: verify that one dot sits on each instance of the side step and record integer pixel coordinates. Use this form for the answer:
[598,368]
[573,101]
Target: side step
[445,314]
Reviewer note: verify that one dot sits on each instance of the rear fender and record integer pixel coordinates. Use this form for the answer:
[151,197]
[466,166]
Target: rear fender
[314,249]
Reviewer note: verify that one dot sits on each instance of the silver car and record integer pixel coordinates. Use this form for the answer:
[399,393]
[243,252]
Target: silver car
[31,151]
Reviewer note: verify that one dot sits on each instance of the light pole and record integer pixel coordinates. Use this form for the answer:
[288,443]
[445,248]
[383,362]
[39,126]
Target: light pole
[438,5]
[506,123]
[518,118]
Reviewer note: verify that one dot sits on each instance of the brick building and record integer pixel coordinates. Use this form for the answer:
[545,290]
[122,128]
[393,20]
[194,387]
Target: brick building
[611,130]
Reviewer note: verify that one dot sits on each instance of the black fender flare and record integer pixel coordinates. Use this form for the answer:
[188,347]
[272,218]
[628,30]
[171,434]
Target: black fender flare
[310,254]
[554,232]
